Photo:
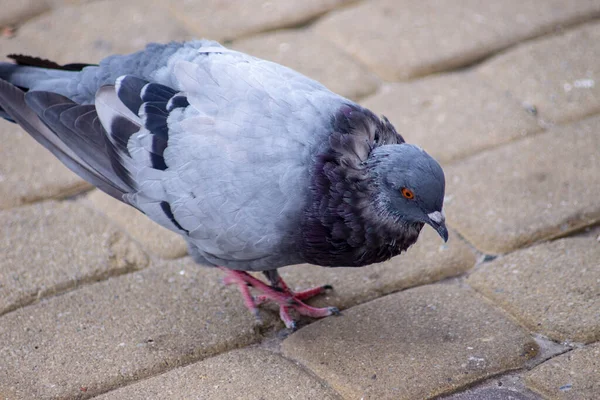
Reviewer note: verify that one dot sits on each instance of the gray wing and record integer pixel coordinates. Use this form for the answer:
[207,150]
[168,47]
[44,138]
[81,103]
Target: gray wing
[211,143]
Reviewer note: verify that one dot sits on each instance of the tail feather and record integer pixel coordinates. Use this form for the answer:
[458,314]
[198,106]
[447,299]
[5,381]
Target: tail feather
[12,103]
[6,70]
[27,70]
[22,59]
[61,115]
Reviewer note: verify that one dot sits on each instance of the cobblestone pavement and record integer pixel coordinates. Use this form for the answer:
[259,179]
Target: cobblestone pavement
[97,301]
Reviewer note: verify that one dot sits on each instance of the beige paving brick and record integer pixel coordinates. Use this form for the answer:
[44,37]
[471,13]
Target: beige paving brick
[558,75]
[51,247]
[552,288]
[452,115]
[105,335]
[226,19]
[411,345]
[153,237]
[429,260]
[315,57]
[537,188]
[93,30]
[251,374]
[401,39]
[571,376]
[29,172]
[14,12]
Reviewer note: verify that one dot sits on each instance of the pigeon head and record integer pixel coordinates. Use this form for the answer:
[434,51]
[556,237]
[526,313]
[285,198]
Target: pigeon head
[411,185]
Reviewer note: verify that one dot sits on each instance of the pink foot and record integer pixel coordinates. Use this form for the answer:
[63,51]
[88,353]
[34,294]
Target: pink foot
[278,292]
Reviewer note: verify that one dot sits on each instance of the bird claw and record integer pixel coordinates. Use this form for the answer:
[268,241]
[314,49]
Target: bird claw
[284,314]
[257,316]
[280,293]
[334,311]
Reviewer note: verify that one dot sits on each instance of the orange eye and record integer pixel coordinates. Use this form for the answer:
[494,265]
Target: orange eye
[408,193]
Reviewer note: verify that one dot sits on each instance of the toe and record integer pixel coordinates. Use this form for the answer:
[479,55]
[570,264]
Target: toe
[284,314]
[334,311]
[257,316]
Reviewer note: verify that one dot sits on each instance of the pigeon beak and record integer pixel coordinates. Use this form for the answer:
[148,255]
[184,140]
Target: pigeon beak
[437,220]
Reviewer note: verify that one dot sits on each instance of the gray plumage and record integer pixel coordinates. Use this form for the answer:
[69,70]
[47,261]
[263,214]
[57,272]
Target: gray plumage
[256,165]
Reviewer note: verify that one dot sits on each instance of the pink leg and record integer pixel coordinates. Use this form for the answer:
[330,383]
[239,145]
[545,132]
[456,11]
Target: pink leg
[280,293]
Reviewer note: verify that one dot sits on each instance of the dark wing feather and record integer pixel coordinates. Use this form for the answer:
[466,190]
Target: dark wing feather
[91,145]
[69,118]
[177,101]
[12,100]
[128,90]
[155,92]
[150,101]
[121,130]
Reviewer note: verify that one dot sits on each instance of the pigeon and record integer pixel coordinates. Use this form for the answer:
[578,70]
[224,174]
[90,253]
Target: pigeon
[254,164]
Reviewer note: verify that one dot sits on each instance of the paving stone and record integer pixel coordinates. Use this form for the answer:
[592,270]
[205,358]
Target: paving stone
[51,247]
[403,39]
[226,20]
[256,373]
[537,188]
[574,375]
[153,237]
[14,12]
[558,75]
[414,344]
[452,115]
[93,30]
[126,328]
[552,288]
[315,57]
[429,260]
[29,172]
